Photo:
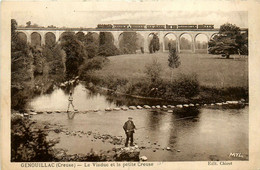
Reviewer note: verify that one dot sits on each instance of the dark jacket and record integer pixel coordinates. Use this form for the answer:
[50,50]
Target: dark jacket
[129,126]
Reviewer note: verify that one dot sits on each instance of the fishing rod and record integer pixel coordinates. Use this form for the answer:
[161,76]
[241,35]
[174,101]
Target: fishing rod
[144,127]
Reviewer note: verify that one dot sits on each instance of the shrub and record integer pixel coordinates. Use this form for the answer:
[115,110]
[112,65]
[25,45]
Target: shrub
[153,71]
[29,143]
[108,49]
[186,85]
[89,65]
[92,50]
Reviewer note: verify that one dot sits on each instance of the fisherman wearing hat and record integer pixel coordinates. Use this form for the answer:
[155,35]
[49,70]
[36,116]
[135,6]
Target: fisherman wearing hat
[129,128]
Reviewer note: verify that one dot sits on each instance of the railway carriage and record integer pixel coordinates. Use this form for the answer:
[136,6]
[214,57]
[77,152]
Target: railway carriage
[187,26]
[143,26]
[205,26]
[171,26]
[137,26]
[105,26]
[155,26]
[121,26]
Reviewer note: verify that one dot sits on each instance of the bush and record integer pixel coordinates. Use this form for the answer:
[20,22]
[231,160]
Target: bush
[29,143]
[92,50]
[108,49]
[90,65]
[153,71]
[186,85]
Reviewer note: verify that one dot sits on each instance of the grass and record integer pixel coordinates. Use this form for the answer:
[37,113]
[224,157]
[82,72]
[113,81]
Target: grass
[212,70]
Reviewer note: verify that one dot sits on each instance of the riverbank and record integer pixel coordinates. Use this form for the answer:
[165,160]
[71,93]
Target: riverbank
[201,78]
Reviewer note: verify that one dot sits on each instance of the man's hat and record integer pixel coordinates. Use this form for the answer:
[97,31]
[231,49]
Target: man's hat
[130,118]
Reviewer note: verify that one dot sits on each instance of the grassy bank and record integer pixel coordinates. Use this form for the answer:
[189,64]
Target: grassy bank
[200,78]
[212,71]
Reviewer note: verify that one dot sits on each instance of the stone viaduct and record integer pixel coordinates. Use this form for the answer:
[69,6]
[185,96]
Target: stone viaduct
[145,33]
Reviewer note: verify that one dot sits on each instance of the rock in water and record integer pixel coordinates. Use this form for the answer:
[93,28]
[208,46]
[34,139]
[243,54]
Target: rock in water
[232,102]
[147,107]
[108,109]
[143,158]
[168,148]
[164,107]
[179,106]
[116,109]
[132,107]
[33,113]
[139,107]
[127,154]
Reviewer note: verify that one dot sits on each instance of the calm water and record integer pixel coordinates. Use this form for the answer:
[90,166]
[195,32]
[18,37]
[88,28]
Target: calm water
[83,100]
[210,134]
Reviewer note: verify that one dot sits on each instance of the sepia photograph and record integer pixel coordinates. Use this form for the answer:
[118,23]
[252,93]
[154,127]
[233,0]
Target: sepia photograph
[144,86]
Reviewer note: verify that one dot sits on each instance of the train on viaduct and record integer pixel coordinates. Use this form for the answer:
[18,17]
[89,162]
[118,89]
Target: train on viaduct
[117,29]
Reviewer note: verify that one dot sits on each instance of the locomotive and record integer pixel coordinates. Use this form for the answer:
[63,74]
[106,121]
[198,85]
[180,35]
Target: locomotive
[143,26]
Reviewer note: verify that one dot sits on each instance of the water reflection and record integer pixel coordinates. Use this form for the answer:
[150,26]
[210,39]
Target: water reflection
[83,99]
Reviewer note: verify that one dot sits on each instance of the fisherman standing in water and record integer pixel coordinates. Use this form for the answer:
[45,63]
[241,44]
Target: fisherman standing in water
[129,128]
[70,102]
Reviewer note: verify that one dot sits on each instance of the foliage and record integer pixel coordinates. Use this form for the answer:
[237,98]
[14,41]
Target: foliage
[75,54]
[153,71]
[31,67]
[28,24]
[29,143]
[173,59]
[90,65]
[229,41]
[81,36]
[54,57]
[186,85]
[91,45]
[106,45]
[92,50]
[154,44]
[185,43]
[108,49]
[128,43]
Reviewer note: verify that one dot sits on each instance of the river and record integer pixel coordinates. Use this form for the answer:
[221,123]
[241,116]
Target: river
[208,133]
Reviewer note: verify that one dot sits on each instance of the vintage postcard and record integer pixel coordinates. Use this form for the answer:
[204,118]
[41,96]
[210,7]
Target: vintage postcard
[130,85]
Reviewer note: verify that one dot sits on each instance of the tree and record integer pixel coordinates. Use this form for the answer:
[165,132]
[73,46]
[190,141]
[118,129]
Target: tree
[173,60]
[153,71]
[154,44]
[106,45]
[13,28]
[28,24]
[91,44]
[228,41]
[75,53]
[128,43]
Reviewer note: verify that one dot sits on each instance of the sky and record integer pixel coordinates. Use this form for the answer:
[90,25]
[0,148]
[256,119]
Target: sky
[72,18]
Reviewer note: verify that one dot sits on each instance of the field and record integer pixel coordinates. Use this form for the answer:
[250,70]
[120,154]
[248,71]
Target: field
[212,70]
